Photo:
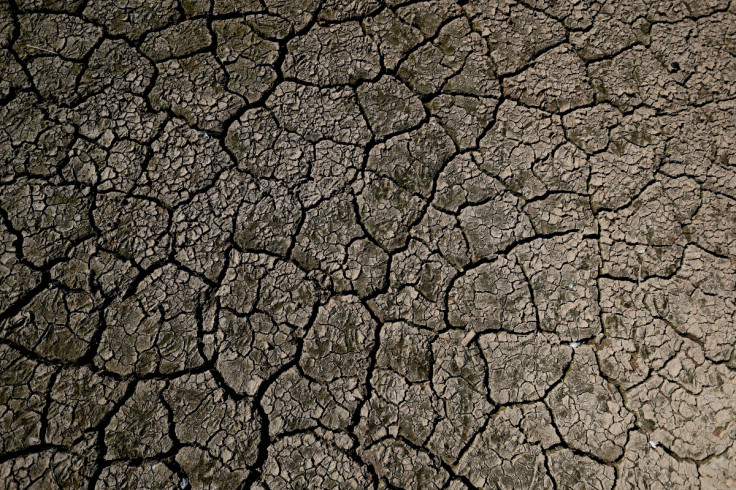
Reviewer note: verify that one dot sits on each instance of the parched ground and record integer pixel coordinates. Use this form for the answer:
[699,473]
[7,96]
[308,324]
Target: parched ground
[412,244]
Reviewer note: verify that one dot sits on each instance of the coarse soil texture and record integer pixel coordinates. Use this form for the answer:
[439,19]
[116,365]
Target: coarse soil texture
[348,244]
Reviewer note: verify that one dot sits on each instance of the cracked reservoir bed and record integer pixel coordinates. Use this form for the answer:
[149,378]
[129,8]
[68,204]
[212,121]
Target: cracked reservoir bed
[416,244]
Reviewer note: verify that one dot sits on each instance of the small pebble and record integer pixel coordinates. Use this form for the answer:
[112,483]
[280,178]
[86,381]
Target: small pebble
[675,66]
[468,338]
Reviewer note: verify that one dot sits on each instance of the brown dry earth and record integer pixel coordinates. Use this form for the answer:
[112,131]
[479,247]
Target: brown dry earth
[367,244]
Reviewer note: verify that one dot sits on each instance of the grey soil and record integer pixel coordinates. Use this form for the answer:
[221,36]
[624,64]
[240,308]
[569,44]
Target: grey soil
[384,244]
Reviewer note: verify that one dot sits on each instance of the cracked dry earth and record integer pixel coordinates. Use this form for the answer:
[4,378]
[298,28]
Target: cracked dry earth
[367,244]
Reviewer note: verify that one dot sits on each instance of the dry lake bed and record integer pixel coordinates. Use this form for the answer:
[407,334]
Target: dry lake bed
[352,244]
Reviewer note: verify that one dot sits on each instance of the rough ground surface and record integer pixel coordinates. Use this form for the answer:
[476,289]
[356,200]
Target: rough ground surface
[367,244]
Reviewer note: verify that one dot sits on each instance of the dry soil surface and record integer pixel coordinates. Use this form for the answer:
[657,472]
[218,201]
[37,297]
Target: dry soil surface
[379,244]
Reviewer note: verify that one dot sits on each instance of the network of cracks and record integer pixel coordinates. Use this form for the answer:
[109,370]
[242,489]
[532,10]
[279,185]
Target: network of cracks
[367,244]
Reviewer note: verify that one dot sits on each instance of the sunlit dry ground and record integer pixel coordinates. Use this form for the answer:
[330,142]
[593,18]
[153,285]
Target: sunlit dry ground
[363,244]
